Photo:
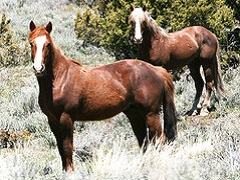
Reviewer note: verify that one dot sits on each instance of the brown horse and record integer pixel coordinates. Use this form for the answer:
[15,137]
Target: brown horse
[193,46]
[69,92]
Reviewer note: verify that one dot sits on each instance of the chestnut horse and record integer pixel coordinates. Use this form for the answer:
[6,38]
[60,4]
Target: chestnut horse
[69,92]
[193,46]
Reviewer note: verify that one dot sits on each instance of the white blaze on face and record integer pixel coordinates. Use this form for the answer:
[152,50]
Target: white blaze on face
[38,58]
[138,15]
[138,34]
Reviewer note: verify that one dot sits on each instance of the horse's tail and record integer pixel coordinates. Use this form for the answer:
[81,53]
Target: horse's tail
[169,110]
[217,76]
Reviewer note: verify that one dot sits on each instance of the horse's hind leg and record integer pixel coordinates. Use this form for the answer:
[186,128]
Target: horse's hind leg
[138,123]
[199,84]
[155,128]
[209,88]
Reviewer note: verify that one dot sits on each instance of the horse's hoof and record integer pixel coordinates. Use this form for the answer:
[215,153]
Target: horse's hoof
[193,113]
[204,112]
[180,118]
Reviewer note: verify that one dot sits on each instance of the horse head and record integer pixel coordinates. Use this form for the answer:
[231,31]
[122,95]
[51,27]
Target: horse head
[40,42]
[137,19]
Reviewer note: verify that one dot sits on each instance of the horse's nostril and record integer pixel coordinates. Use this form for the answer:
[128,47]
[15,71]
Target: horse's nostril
[43,68]
[39,70]
[138,41]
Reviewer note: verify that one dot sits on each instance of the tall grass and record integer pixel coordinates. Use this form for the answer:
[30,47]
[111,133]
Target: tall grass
[206,147]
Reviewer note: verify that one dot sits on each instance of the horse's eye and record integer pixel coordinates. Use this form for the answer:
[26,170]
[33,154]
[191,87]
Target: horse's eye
[31,44]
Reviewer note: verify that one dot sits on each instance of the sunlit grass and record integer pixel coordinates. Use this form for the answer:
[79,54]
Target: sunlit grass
[205,148]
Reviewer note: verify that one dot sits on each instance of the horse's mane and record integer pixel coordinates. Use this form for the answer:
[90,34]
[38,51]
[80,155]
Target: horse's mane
[76,62]
[59,52]
[153,26]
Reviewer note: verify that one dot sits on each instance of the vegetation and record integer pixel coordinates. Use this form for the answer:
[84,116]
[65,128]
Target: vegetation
[206,147]
[235,5]
[9,138]
[11,52]
[106,27]
[106,23]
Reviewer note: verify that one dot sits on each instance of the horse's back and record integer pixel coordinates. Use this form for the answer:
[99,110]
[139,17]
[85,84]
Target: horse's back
[192,29]
[142,69]
[137,74]
[148,82]
[198,33]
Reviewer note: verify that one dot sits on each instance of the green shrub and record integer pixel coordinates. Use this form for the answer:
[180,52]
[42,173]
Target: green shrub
[105,23]
[106,26]
[12,53]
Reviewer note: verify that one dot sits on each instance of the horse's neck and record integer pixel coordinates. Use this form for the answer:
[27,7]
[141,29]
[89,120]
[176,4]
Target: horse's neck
[45,97]
[60,62]
[146,45]
[151,42]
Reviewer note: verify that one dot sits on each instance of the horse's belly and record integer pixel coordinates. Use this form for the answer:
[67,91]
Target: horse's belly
[98,114]
[180,58]
[175,63]
[101,107]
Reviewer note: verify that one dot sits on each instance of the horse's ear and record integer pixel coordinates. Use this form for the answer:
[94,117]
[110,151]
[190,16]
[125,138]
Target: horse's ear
[131,8]
[32,26]
[144,8]
[49,27]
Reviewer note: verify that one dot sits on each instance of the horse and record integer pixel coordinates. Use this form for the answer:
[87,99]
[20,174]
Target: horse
[194,46]
[69,92]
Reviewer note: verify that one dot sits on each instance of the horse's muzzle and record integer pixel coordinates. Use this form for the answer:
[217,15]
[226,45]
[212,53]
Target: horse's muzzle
[138,41]
[39,73]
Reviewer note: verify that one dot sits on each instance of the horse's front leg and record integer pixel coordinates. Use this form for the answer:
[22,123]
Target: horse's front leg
[63,131]
[66,127]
